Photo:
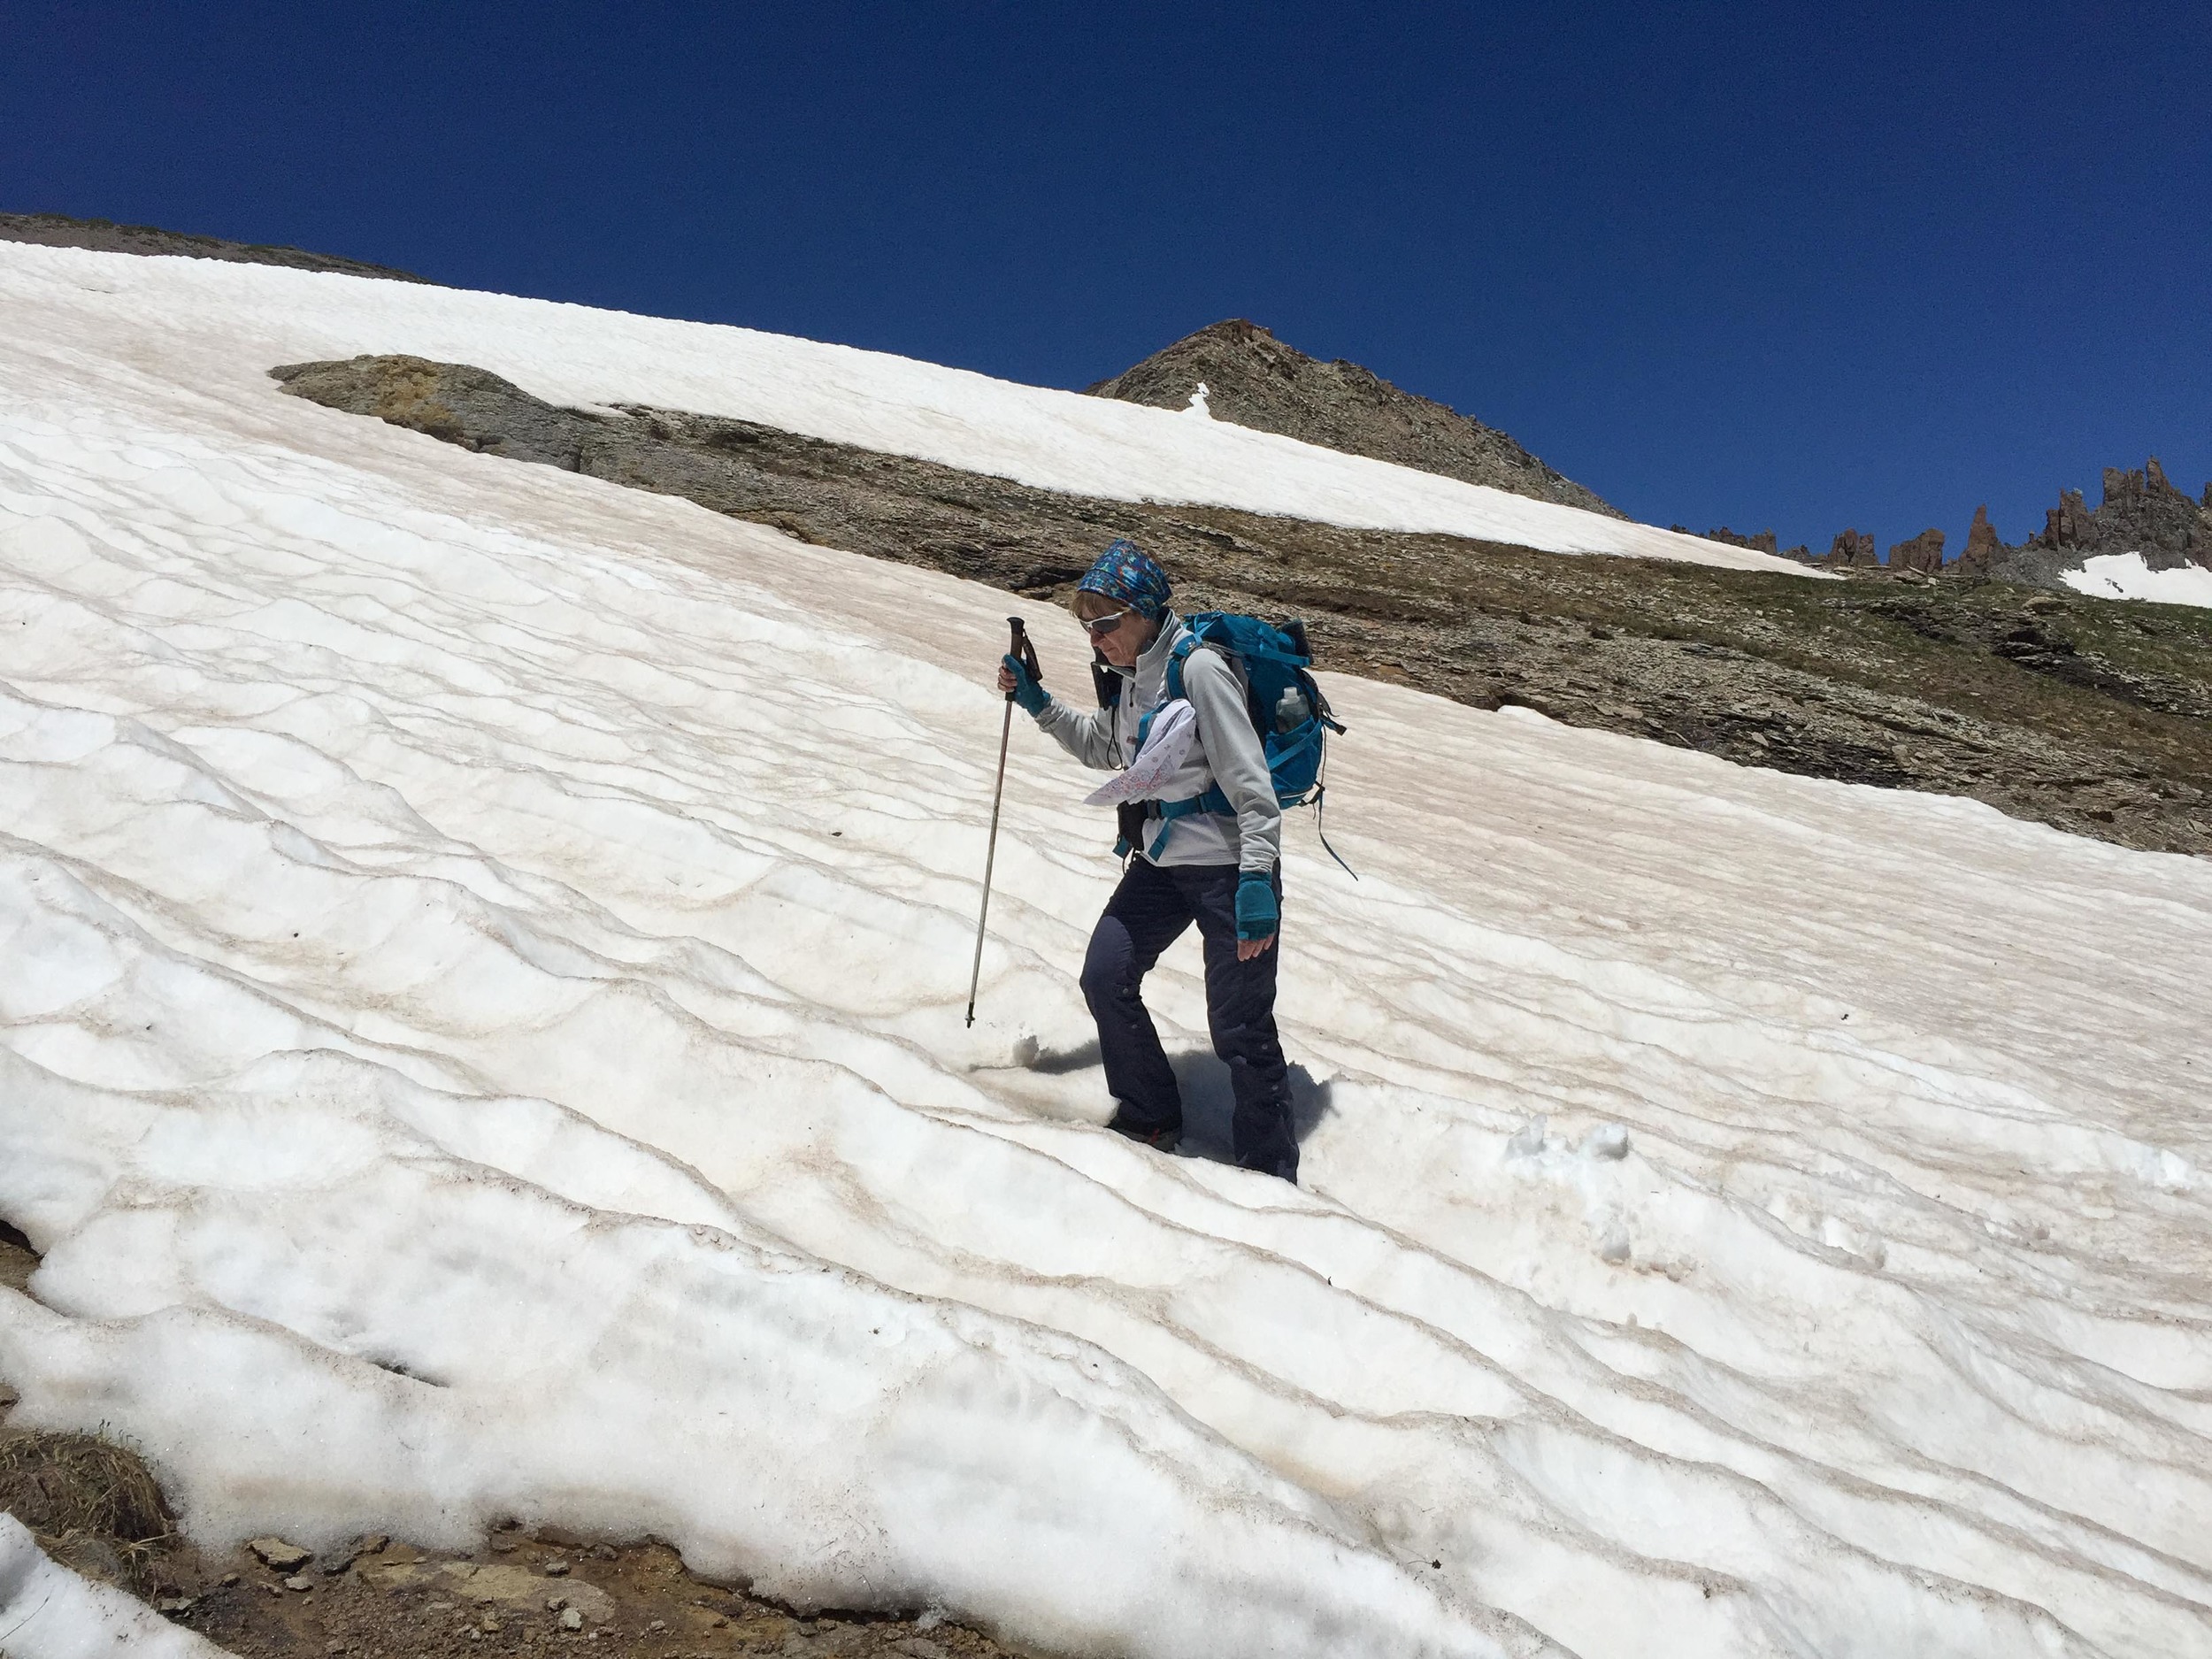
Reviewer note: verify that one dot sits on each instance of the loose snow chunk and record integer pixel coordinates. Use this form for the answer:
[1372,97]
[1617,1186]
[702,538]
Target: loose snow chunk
[1606,1140]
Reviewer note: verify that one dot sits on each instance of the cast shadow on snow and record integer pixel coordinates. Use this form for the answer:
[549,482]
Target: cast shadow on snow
[1207,1104]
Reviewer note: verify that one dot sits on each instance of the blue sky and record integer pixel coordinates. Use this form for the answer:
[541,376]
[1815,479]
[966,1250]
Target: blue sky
[1797,266]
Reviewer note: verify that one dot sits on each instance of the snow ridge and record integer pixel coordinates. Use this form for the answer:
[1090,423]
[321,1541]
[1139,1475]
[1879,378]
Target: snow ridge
[1053,440]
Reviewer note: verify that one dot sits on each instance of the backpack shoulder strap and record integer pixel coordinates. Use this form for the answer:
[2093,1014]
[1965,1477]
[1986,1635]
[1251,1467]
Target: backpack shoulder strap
[1196,631]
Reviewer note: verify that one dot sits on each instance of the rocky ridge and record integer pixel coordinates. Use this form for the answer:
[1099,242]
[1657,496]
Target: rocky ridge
[1256,381]
[2091,715]
[2143,511]
[1253,380]
[57,230]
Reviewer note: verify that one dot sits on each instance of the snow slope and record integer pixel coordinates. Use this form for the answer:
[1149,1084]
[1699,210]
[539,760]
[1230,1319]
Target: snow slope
[572,354]
[48,1612]
[481,956]
[2127,576]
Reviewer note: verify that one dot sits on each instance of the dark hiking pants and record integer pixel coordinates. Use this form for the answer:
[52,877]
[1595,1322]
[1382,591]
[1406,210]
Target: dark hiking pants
[1148,913]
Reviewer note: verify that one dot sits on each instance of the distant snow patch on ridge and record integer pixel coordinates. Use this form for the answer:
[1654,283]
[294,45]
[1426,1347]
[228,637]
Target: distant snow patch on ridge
[2127,576]
[1052,440]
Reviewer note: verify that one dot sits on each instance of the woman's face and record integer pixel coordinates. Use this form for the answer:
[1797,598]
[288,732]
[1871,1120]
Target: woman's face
[1125,641]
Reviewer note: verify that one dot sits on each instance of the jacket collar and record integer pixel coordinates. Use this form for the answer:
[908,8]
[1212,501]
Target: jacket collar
[1155,654]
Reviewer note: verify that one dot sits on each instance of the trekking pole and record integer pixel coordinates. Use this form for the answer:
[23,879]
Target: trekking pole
[1027,653]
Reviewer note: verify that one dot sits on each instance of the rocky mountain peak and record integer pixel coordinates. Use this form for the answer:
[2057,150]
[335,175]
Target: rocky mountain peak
[2142,512]
[1253,380]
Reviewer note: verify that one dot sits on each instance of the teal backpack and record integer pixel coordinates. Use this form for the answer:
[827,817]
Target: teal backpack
[1287,709]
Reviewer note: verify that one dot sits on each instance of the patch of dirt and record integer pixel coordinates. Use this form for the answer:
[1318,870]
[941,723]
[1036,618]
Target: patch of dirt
[514,1597]
[2094,716]
[18,1260]
[92,1505]
[527,1591]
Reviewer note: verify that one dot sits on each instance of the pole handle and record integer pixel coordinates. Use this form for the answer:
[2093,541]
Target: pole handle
[1024,651]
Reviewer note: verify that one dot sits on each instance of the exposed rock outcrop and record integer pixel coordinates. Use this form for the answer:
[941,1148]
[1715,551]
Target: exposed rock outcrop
[1852,549]
[2069,525]
[1762,542]
[1922,553]
[2142,512]
[1253,380]
[1983,548]
[57,230]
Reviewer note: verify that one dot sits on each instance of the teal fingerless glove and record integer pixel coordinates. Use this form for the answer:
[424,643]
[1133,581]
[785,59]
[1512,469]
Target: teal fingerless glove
[1030,695]
[1257,912]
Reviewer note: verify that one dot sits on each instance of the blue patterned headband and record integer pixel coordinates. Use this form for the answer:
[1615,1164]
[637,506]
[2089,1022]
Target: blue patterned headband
[1129,576]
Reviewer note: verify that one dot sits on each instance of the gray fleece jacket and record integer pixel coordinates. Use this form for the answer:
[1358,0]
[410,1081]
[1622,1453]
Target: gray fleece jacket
[1227,752]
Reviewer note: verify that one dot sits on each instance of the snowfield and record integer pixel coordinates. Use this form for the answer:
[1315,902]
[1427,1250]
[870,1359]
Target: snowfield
[481,961]
[2127,576]
[1053,440]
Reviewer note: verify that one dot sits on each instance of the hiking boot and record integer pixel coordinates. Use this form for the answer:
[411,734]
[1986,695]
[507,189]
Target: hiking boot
[1160,1138]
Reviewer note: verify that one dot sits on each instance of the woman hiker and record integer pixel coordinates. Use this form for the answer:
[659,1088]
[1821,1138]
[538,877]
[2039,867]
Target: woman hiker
[1220,872]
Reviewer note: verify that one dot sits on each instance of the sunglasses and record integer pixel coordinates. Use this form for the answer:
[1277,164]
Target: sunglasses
[1100,626]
